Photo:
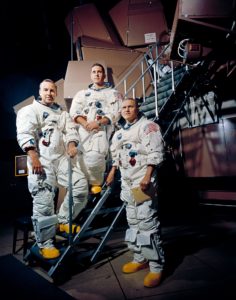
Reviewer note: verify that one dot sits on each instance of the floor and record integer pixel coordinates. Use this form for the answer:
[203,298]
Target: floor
[200,250]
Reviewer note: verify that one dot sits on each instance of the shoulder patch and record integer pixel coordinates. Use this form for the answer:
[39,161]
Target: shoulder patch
[151,127]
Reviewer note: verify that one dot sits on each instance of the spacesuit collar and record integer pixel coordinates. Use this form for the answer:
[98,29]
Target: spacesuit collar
[54,106]
[127,125]
[105,86]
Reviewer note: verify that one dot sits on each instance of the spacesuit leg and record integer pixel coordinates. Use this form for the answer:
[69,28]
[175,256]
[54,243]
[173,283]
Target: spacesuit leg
[95,163]
[148,237]
[143,236]
[131,234]
[43,218]
[45,230]
[138,262]
[79,193]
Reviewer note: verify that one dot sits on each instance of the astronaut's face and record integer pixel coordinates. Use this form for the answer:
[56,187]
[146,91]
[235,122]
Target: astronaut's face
[97,76]
[129,110]
[47,92]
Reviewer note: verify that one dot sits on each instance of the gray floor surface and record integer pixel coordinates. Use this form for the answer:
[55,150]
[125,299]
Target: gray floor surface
[200,252]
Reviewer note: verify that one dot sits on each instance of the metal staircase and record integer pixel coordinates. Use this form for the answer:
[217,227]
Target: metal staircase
[88,229]
[161,99]
[97,221]
[165,97]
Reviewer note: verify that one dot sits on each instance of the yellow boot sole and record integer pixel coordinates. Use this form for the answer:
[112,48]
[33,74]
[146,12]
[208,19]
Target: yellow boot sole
[49,253]
[133,267]
[152,279]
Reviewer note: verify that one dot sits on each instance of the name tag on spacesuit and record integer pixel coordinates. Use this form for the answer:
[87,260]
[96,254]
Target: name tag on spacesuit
[141,196]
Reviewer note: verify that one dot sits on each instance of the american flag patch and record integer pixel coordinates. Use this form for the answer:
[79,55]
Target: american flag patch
[151,127]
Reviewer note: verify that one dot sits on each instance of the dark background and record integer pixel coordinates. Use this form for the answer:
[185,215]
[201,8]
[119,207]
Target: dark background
[35,44]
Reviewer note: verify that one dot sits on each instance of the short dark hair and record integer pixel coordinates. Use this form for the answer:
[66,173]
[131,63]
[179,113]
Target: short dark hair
[99,65]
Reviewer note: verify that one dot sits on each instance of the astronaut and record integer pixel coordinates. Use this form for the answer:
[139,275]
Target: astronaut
[137,149]
[49,137]
[96,110]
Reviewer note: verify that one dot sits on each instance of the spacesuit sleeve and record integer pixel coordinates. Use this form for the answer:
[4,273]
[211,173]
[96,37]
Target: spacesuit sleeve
[70,131]
[113,111]
[77,105]
[152,140]
[26,126]
[114,151]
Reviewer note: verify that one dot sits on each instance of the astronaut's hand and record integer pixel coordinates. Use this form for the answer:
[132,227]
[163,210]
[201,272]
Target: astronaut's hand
[144,183]
[37,168]
[92,126]
[72,149]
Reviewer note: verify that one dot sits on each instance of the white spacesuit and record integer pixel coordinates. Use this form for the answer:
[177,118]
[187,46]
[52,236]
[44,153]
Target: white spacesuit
[94,104]
[133,148]
[48,129]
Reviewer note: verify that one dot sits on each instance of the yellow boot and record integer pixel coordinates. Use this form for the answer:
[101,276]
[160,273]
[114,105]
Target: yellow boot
[152,279]
[49,253]
[95,189]
[66,228]
[133,267]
